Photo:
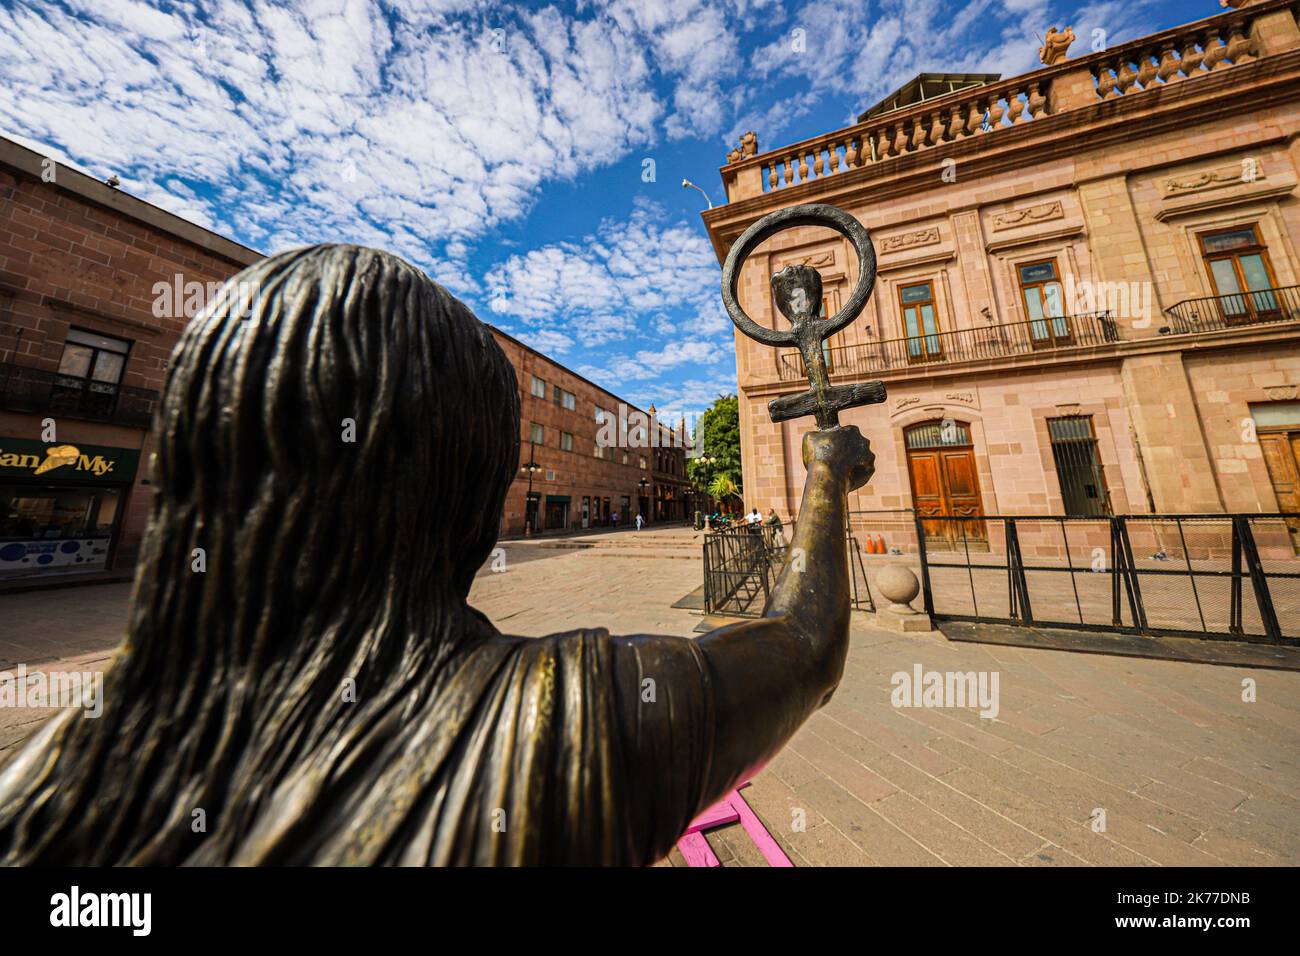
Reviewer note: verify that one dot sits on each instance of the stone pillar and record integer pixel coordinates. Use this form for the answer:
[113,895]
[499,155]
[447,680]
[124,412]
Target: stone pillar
[743,183]
[1071,91]
[1274,32]
[1175,460]
[762,456]
[973,265]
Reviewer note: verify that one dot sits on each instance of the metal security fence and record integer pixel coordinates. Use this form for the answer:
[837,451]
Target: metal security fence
[741,568]
[860,587]
[1227,576]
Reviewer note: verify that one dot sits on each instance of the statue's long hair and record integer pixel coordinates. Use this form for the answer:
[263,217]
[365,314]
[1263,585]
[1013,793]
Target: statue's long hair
[331,467]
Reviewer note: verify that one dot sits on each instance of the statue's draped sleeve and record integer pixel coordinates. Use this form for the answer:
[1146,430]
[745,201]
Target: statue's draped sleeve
[583,748]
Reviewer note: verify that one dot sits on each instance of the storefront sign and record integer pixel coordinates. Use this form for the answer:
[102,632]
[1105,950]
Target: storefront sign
[67,462]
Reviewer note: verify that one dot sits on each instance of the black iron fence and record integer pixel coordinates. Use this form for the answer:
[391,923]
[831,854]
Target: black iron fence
[1213,312]
[1227,576]
[741,568]
[27,389]
[961,345]
[860,596]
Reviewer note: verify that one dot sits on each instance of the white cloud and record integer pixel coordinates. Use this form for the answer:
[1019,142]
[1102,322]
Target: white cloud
[689,397]
[547,341]
[329,119]
[692,42]
[869,52]
[599,289]
[651,363]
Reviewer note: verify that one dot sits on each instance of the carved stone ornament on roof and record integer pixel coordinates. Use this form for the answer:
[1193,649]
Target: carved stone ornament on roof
[1055,44]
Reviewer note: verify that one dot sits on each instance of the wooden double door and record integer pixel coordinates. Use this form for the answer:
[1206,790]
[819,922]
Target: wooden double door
[1281,450]
[945,482]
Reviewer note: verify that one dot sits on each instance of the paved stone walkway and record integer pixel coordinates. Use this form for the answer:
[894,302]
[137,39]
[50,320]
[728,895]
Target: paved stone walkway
[1167,756]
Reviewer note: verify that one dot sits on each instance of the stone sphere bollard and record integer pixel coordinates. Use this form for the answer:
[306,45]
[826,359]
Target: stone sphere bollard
[898,585]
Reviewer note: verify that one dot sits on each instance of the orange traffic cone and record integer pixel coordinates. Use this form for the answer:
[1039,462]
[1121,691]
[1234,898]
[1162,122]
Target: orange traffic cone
[880,545]
[871,545]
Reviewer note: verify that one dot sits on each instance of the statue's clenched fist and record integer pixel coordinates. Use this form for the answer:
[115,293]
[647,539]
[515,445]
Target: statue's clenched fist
[845,450]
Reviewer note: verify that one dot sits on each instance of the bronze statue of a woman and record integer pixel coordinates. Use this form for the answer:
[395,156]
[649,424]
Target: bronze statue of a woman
[318,686]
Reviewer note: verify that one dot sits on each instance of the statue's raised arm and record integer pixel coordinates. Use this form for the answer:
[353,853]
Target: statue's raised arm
[766,677]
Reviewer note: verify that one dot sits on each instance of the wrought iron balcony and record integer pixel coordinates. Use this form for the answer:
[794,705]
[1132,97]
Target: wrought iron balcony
[1213,312]
[961,345]
[27,389]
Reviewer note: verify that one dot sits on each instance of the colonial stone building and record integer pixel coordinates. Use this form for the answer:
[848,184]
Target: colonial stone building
[84,343]
[673,496]
[85,335]
[1086,299]
[591,454]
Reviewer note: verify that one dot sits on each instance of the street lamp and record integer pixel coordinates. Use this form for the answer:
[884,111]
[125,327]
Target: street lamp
[687,184]
[530,469]
[708,461]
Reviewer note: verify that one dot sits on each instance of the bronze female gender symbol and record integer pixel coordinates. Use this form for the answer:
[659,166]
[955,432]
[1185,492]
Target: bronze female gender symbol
[798,293]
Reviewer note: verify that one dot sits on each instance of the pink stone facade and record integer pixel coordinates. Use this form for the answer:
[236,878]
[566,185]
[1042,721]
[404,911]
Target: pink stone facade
[1116,191]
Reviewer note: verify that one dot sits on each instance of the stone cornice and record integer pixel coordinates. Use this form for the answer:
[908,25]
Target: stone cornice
[932,259]
[33,165]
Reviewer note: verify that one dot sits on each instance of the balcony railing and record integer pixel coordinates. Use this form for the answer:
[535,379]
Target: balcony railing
[1213,312]
[956,116]
[961,345]
[26,389]
[1180,53]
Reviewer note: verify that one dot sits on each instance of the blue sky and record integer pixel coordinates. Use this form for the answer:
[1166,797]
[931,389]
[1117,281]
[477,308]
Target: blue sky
[502,147]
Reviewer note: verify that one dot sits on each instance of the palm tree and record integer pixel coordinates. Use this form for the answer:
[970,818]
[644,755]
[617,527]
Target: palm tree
[723,487]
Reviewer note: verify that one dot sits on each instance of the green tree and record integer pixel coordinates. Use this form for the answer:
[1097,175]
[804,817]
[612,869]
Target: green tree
[722,488]
[720,426]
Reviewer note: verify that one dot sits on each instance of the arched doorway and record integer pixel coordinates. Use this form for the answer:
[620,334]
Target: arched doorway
[941,466]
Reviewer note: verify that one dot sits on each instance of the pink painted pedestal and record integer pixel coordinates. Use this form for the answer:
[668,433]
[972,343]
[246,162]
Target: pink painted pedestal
[729,809]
